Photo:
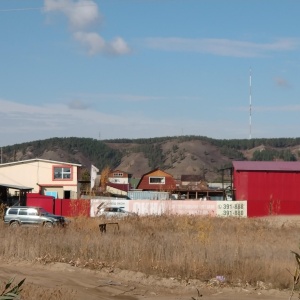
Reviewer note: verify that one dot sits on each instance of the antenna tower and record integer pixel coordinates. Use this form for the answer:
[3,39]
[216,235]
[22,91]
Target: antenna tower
[250,106]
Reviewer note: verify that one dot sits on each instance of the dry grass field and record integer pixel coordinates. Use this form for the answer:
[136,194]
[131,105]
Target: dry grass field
[186,248]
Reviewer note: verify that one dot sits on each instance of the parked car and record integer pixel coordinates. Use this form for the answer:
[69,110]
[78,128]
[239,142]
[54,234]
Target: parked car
[114,212]
[16,216]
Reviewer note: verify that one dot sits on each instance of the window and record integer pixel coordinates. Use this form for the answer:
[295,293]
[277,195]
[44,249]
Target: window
[118,174]
[13,211]
[23,212]
[157,180]
[62,173]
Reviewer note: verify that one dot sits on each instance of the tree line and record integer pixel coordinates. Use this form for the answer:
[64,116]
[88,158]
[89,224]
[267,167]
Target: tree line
[101,154]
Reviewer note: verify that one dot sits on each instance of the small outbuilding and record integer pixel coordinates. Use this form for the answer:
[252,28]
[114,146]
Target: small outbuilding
[270,187]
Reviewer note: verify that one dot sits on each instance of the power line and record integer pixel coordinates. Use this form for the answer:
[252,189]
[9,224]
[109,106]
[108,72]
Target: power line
[40,8]
[21,9]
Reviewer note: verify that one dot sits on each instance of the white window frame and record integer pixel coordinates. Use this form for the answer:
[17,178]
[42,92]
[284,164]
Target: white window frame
[157,180]
[64,171]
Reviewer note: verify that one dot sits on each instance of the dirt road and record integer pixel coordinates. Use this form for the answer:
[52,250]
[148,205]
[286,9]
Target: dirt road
[63,281]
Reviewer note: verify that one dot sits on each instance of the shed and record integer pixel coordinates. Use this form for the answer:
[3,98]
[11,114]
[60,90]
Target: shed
[270,187]
[19,196]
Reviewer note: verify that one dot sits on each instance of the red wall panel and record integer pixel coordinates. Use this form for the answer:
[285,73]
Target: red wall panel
[46,202]
[268,193]
[64,207]
[72,207]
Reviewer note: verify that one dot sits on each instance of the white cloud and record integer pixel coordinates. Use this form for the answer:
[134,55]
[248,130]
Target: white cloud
[24,123]
[283,108]
[77,104]
[131,98]
[222,47]
[118,46]
[81,15]
[92,41]
[95,44]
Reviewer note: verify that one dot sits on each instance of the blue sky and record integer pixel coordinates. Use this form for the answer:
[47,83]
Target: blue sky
[149,68]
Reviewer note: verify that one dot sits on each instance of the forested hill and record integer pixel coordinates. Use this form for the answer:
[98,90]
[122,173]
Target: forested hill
[180,155]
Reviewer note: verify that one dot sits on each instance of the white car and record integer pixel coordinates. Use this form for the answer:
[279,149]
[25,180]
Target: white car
[114,212]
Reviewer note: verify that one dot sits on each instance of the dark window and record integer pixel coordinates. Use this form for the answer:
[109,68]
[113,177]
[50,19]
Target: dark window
[23,212]
[160,180]
[13,211]
[67,194]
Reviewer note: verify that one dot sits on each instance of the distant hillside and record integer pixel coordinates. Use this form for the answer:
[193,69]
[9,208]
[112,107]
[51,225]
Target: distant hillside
[183,155]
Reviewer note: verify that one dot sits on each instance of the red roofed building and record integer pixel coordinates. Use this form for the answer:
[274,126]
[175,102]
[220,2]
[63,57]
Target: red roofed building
[270,187]
[157,180]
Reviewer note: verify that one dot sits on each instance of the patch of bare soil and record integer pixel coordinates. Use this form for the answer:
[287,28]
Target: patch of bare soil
[63,281]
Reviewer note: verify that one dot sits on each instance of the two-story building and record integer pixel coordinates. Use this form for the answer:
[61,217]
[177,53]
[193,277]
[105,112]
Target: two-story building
[47,177]
[119,177]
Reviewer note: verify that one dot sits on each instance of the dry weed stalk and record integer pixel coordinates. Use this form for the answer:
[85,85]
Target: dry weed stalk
[296,275]
[11,292]
[199,295]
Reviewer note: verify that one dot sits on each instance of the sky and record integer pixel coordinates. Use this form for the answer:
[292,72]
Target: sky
[107,69]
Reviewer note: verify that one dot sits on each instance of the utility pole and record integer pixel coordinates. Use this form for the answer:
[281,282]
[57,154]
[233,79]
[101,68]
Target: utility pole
[250,106]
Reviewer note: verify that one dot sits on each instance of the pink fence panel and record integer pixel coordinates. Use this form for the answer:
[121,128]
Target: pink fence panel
[178,207]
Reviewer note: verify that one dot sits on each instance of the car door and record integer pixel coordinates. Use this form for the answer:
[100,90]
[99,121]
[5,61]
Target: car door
[110,212]
[115,212]
[33,216]
[11,215]
[23,216]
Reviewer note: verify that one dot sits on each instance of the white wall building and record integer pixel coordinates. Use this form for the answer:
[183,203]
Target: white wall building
[59,179]
[119,177]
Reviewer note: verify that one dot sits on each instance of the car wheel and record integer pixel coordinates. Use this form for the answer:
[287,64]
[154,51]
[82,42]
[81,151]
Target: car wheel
[14,224]
[48,225]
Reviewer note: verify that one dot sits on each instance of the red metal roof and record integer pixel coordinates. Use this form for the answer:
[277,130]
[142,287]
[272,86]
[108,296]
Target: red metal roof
[120,186]
[287,166]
